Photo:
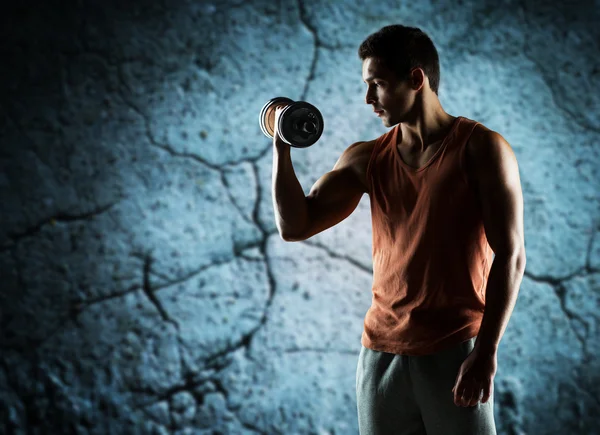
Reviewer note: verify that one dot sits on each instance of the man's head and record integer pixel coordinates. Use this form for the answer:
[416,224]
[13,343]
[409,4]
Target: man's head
[399,63]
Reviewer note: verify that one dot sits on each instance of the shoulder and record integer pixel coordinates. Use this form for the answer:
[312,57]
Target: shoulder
[486,146]
[356,153]
[361,149]
[489,155]
[355,159]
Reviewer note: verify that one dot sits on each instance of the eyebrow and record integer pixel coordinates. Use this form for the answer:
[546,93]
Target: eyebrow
[371,78]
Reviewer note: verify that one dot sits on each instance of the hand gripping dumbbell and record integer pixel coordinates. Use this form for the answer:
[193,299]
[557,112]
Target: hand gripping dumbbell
[300,124]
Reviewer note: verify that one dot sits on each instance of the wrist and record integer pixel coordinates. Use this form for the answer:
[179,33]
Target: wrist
[482,347]
[281,147]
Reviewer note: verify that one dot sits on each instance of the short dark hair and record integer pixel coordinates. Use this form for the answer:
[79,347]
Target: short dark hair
[402,48]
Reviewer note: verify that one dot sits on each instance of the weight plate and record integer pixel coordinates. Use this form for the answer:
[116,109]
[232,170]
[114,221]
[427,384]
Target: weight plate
[266,118]
[300,124]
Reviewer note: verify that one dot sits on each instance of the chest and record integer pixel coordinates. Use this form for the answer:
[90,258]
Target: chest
[416,158]
[444,187]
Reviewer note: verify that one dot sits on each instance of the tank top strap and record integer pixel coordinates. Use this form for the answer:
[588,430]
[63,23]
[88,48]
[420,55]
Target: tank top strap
[465,130]
[464,135]
[380,143]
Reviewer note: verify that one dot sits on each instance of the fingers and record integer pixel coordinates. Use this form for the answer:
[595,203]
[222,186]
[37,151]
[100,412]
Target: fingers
[276,137]
[487,392]
[467,397]
[469,394]
[473,398]
[459,392]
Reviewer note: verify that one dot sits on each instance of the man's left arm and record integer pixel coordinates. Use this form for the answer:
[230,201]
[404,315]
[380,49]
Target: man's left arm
[495,173]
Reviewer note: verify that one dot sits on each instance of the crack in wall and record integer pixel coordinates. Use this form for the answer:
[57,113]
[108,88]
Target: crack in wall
[84,304]
[86,49]
[256,209]
[316,44]
[588,257]
[153,142]
[168,148]
[576,119]
[102,57]
[557,284]
[172,425]
[560,291]
[221,169]
[246,341]
[60,217]
[219,360]
[184,369]
[81,306]
[147,290]
[582,272]
[28,345]
[190,386]
[147,269]
[239,249]
[232,199]
[193,273]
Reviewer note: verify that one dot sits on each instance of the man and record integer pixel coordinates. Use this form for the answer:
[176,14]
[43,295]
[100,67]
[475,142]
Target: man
[448,244]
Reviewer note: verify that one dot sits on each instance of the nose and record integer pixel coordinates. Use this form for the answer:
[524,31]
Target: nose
[369,97]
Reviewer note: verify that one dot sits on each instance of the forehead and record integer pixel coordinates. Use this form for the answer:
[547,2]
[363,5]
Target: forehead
[373,67]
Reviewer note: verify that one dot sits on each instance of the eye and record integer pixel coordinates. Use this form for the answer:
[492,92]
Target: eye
[374,84]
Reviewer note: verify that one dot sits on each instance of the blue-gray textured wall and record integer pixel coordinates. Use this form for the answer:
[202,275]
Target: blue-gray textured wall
[144,288]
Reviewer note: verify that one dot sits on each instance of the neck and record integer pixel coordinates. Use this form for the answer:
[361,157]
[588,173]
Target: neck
[427,124]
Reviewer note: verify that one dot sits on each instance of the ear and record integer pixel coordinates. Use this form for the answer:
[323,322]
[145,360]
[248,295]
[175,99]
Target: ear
[417,78]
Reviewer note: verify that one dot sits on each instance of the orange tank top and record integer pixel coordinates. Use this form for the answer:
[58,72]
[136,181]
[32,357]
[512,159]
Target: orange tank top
[431,258]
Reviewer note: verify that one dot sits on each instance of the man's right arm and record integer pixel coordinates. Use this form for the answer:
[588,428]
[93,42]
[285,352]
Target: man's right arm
[331,199]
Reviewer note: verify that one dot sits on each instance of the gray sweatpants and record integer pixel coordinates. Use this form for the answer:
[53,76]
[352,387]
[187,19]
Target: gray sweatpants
[412,395]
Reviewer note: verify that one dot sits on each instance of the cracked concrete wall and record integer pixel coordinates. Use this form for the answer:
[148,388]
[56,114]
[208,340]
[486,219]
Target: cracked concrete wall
[144,288]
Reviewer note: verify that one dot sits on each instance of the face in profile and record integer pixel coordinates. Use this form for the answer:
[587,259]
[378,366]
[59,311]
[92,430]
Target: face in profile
[390,97]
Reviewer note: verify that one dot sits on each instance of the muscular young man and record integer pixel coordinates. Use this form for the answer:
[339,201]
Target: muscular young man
[448,244]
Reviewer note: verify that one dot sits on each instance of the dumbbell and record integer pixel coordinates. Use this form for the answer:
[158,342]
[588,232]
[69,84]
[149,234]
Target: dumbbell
[300,123]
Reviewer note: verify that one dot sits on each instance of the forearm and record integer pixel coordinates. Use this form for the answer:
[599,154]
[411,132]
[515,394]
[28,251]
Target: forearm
[503,286]
[289,201]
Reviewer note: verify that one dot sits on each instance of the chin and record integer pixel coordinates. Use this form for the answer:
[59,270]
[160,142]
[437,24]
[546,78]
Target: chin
[385,118]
